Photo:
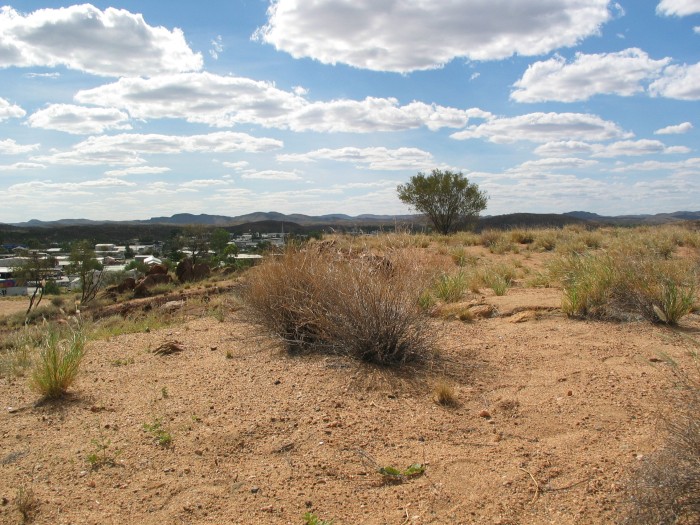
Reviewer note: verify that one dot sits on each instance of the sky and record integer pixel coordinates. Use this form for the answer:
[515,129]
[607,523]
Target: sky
[131,110]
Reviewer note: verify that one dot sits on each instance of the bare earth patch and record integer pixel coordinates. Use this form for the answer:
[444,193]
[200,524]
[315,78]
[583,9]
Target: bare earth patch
[551,415]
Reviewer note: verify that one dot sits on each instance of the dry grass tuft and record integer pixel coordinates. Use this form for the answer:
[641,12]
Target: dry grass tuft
[444,394]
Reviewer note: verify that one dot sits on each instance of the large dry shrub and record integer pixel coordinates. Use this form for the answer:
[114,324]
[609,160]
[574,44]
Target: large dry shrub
[358,305]
[665,489]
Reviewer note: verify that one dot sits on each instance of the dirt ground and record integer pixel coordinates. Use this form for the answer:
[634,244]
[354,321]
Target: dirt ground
[553,414]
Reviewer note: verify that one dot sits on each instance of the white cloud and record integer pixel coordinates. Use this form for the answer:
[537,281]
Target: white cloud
[678,129]
[551,164]
[124,149]
[113,42]
[235,165]
[203,183]
[271,175]
[621,73]
[696,29]
[563,148]
[678,7]
[79,120]
[70,187]
[137,170]
[378,158]
[419,35]
[692,164]
[18,166]
[679,82]
[635,147]
[614,149]
[217,46]
[227,100]
[544,127]
[8,110]
[10,147]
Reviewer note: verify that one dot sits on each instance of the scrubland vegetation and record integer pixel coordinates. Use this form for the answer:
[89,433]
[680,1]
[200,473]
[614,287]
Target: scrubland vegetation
[379,300]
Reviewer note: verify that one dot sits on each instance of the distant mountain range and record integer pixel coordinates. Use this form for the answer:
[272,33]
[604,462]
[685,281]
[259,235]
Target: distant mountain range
[182,219]
[514,219]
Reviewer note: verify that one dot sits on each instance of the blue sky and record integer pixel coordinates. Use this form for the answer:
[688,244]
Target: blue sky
[128,110]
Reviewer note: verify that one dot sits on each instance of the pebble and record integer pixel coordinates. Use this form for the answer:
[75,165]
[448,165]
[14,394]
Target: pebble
[254,490]
[485,414]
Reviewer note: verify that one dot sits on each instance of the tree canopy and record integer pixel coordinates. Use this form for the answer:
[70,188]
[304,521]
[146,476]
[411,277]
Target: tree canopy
[447,198]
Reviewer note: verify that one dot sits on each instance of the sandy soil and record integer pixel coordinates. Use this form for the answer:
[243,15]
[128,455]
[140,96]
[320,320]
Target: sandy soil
[11,305]
[262,437]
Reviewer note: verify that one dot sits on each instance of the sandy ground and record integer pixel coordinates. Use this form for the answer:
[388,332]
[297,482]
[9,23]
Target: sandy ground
[11,305]
[262,437]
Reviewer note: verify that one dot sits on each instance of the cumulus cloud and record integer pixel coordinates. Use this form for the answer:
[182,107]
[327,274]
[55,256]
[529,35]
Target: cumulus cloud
[124,149]
[69,187]
[544,127]
[271,175]
[692,164]
[621,73]
[79,120]
[113,42]
[239,165]
[8,110]
[378,158]
[552,164]
[414,35]
[217,46]
[563,148]
[228,100]
[678,7]
[620,148]
[629,148]
[678,129]
[137,170]
[10,147]
[679,82]
[20,166]
[203,183]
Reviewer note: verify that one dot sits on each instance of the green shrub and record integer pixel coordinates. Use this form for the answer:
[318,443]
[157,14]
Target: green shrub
[58,363]
[627,282]
[450,287]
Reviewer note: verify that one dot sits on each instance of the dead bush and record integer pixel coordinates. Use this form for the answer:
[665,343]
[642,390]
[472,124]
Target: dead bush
[354,306]
[665,489]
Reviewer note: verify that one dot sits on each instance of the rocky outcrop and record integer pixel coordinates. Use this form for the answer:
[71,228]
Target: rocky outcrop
[187,272]
[149,281]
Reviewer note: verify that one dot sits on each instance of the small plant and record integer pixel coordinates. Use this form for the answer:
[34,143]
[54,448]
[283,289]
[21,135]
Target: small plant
[99,457]
[444,394]
[58,364]
[162,437]
[311,519]
[164,392]
[229,354]
[123,362]
[394,474]
[390,473]
[26,503]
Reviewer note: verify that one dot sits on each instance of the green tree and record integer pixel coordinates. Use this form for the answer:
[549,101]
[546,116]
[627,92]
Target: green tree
[447,198]
[34,271]
[218,240]
[195,237]
[85,265]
